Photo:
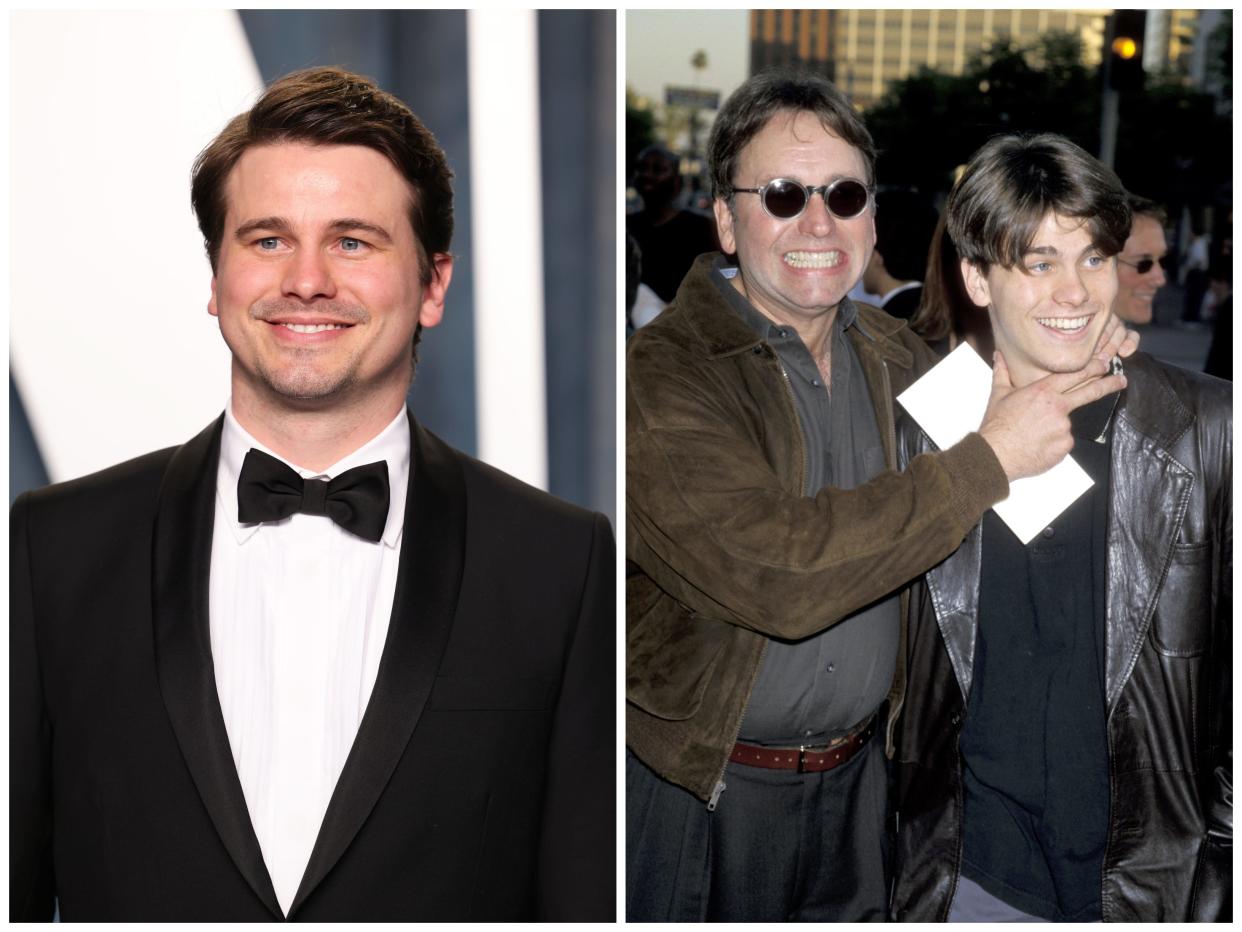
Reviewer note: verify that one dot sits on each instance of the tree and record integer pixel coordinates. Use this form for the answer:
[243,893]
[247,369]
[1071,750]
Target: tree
[930,123]
[639,128]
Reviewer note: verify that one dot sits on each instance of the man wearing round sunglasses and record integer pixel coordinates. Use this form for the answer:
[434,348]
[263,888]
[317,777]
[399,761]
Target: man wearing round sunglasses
[768,532]
[1065,753]
[1141,262]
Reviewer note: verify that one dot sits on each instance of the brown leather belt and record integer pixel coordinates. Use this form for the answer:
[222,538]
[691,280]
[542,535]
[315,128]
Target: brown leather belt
[804,759]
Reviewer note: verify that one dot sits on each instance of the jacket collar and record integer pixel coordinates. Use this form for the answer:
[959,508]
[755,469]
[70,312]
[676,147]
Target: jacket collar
[875,332]
[723,333]
[428,579]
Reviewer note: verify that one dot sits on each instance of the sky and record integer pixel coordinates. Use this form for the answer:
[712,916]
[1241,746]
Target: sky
[659,45]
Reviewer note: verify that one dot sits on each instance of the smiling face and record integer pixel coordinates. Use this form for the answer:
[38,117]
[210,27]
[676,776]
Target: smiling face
[1047,313]
[1135,292]
[796,271]
[317,285]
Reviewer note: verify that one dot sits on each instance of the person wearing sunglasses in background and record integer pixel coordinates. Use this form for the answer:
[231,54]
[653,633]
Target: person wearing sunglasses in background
[1141,264]
[768,532]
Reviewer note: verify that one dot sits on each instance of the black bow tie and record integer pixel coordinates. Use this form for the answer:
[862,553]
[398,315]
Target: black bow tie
[357,499]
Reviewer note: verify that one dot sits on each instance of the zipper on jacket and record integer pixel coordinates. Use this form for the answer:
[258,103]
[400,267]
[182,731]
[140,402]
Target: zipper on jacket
[793,404]
[714,799]
[891,420]
[894,708]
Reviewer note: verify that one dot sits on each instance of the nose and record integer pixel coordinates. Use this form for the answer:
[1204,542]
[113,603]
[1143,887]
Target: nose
[1157,274]
[1071,289]
[815,218]
[308,276]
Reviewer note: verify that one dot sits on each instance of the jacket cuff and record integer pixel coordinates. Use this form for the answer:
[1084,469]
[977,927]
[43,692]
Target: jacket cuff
[977,478]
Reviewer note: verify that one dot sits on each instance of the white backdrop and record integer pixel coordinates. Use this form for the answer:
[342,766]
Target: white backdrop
[111,345]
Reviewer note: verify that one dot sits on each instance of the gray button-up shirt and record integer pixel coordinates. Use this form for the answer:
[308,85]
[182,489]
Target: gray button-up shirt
[812,690]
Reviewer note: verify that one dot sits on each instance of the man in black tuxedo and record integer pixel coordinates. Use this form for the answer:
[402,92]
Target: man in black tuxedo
[314,664]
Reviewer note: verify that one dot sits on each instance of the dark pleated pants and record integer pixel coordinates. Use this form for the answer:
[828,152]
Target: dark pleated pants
[780,846]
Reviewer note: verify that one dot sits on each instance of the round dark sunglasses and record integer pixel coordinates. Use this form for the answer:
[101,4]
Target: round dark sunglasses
[1143,266]
[785,199]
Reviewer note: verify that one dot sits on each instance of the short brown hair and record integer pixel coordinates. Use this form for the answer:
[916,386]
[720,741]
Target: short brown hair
[1144,207]
[1013,182]
[331,106]
[761,97]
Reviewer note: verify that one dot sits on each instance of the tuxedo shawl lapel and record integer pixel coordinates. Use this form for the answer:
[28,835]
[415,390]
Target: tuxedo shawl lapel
[429,576]
[1149,493]
[181,565]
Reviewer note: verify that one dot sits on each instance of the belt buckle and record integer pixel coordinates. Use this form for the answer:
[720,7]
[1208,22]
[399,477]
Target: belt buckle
[802,758]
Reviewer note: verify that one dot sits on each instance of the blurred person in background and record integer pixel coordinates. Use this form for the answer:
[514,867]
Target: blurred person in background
[642,305]
[1220,286]
[1142,262]
[1194,269]
[669,237]
[946,316]
[904,225]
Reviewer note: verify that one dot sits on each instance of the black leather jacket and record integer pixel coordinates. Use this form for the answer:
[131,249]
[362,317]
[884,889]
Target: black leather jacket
[1168,669]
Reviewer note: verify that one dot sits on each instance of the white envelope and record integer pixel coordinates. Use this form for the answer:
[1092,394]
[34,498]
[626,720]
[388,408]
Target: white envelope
[949,402]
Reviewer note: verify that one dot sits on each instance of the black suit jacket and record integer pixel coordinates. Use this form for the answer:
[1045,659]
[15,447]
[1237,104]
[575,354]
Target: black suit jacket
[481,782]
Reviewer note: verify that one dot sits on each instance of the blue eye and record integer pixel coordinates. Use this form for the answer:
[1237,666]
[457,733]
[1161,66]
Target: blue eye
[349,244]
[1094,262]
[1040,267]
[269,243]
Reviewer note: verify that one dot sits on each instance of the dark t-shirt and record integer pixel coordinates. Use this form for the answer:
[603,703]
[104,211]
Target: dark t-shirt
[669,249]
[1034,745]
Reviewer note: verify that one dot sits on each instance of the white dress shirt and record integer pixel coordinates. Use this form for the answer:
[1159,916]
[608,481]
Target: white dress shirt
[299,612]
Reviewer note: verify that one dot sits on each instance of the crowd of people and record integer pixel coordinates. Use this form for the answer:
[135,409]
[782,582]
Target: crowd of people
[855,691]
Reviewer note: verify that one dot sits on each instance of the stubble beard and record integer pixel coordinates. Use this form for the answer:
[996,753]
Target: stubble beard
[303,375]
[302,380]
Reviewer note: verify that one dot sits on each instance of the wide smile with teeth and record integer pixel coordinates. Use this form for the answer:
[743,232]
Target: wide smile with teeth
[1065,324]
[814,260]
[313,328]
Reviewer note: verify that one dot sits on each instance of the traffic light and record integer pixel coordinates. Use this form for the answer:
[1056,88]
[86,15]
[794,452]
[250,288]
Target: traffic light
[1125,50]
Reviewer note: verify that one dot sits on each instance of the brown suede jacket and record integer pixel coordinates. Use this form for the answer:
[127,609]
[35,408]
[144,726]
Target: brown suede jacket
[725,551]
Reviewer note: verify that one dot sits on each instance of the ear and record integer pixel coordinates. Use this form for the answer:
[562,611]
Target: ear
[724,226]
[212,308]
[976,284]
[431,311]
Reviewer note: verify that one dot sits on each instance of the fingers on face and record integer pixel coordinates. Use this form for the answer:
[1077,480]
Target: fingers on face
[1094,390]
